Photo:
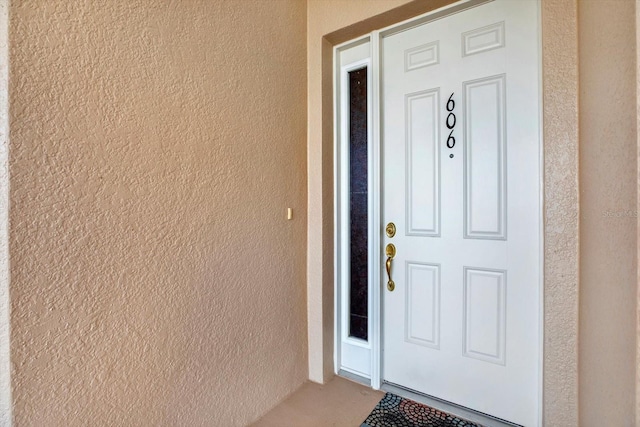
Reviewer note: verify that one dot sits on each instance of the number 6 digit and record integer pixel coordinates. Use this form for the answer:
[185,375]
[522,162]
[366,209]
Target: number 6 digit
[452,102]
[452,139]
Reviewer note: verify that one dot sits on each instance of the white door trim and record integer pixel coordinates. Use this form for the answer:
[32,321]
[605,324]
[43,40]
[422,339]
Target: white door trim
[376,173]
[375,306]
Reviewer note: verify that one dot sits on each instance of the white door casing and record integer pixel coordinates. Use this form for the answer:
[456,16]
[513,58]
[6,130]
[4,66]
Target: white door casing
[463,323]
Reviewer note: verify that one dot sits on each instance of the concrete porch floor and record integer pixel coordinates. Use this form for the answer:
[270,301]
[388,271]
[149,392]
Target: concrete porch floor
[339,403]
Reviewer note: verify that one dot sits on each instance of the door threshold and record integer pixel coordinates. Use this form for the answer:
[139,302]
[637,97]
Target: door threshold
[442,405]
[355,378]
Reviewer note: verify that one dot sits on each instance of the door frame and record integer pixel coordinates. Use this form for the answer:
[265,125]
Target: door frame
[340,257]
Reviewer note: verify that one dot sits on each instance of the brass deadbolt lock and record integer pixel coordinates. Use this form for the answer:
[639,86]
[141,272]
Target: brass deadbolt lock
[390,229]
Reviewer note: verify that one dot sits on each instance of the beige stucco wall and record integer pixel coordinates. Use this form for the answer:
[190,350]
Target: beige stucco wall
[154,149]
[608,203]
[5,368]
[147,214]
[638,220]
[561,211]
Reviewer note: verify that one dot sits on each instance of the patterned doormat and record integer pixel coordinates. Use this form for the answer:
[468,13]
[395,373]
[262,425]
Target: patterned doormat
[396,411]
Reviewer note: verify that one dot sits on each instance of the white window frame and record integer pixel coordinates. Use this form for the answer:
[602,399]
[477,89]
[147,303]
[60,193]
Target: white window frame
[351,354]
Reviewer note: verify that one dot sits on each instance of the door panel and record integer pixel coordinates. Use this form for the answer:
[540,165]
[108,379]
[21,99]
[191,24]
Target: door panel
[484,168]
[461,181]
[422,315]
[423,163]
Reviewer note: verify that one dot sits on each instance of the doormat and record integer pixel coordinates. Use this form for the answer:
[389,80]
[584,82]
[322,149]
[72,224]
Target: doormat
[396,411]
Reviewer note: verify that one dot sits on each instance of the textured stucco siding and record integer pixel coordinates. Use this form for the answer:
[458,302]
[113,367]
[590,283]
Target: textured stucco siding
[154,149]
[5,378]
[608,216]
[559,21]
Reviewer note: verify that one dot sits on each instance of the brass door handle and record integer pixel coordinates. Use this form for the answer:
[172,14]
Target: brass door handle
[390,250]
[390,284]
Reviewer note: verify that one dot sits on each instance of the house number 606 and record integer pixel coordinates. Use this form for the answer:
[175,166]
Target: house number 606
[451,122]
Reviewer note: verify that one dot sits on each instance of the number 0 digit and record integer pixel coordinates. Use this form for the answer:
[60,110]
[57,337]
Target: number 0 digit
[451,116]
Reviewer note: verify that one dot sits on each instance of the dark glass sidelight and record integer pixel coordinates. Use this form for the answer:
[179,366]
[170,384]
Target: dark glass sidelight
[359,238]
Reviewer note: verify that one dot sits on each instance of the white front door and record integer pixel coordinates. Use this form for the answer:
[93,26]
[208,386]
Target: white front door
[461,172]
